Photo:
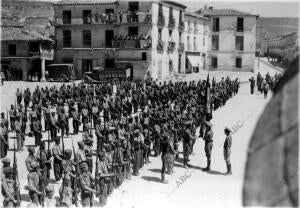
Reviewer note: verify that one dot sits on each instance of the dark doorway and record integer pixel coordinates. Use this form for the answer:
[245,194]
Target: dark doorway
[109,63]
[133,6]
[109,35]
[107,11]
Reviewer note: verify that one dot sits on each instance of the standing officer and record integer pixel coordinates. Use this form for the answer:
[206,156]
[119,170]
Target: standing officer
[86,182]
[42,157]
[58,158]
[252,85]
[227,146]
[188,139]
[12,117]
[30,159]
[3,140]
[208,138]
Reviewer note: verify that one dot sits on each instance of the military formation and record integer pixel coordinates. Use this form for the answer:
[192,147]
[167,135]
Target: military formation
[130,124]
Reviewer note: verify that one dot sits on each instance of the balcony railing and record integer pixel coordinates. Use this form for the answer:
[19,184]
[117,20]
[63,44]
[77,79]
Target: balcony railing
[34,54]
[160,45]
[181,47]
[181,26]
[129,18]
[171,22]
[171,46]
[161,21]
[139,44]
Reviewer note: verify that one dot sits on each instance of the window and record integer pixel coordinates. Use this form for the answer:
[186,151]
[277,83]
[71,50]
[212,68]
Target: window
[180,16]
[214,62]
[109,63]
[160,9]
[159,34]
[195,46]
[179,63]
[180,37]
[67,17]
[215,42]
[133,6]
[203,41]
[87,16]
[239,43]
[189,23]
[34,46]
[238,62]
[12,49]
[86,38]
[87,65]
[170,35]
[144,56]
[67,38]
[170,13]
[216,25]
[133,31]
[240,24]
[188,43]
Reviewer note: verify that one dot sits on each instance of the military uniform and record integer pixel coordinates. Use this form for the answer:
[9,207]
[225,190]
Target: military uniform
[33,178]
[208,138]
[7,186]
[86,181]
[57,162]
[227,151]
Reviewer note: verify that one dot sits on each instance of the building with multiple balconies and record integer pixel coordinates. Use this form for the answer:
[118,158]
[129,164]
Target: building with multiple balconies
[155,39]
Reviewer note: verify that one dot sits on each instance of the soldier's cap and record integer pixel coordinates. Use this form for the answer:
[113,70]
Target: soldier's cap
[49,189]
[80,143]
[208,124]
[30,149]
[101,154]
[34,164]
[227,129]
[68,152]
[8,170]
[83,164]
[33,116]
[5,160]
[53,113]
[2,113]
[88,141]
[136,131]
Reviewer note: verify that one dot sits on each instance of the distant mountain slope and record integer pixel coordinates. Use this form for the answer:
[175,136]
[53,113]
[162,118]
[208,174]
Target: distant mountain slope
[269,27]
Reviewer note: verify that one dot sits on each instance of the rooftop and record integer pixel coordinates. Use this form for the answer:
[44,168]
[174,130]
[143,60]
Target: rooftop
[175,4]
[223,12]
[194,14]
[84,2]
[17,34]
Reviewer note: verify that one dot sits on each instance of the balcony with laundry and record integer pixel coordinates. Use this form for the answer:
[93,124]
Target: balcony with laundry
[132,42]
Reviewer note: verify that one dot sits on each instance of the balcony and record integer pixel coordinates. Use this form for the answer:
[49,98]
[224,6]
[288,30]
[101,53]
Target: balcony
[160,46]
[181,26]
[171,46]
[171,24]
[181,47]
[132,44]
[131,18]
[35,54]
[161,21]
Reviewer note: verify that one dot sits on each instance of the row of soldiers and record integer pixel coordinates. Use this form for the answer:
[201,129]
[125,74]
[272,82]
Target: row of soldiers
[264,84]
[128,125]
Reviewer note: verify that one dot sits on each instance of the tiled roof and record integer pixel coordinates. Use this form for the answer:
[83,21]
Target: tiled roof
[81,2]
[17,33]
[194,14]
[224,12]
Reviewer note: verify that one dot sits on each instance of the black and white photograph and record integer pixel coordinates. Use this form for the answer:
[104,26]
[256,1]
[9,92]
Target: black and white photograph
[149,103]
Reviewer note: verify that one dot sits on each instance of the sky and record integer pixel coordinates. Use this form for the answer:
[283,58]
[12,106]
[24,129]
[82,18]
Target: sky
[264,8]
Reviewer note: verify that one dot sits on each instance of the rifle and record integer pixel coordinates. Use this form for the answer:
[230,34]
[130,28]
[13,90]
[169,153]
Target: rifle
[76,176]
[42,178]
[16,179]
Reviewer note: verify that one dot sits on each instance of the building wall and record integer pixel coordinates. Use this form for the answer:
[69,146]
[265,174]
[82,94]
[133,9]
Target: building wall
[227,46]
[22,48]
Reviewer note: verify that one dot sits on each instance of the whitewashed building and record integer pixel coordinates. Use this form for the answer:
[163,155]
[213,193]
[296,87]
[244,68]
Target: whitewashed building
[232,39]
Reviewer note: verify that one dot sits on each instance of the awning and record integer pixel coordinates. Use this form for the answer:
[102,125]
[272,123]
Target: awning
[195,60]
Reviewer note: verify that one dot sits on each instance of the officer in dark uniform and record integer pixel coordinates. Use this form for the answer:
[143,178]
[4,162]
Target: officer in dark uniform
[252,85]
[208,138]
